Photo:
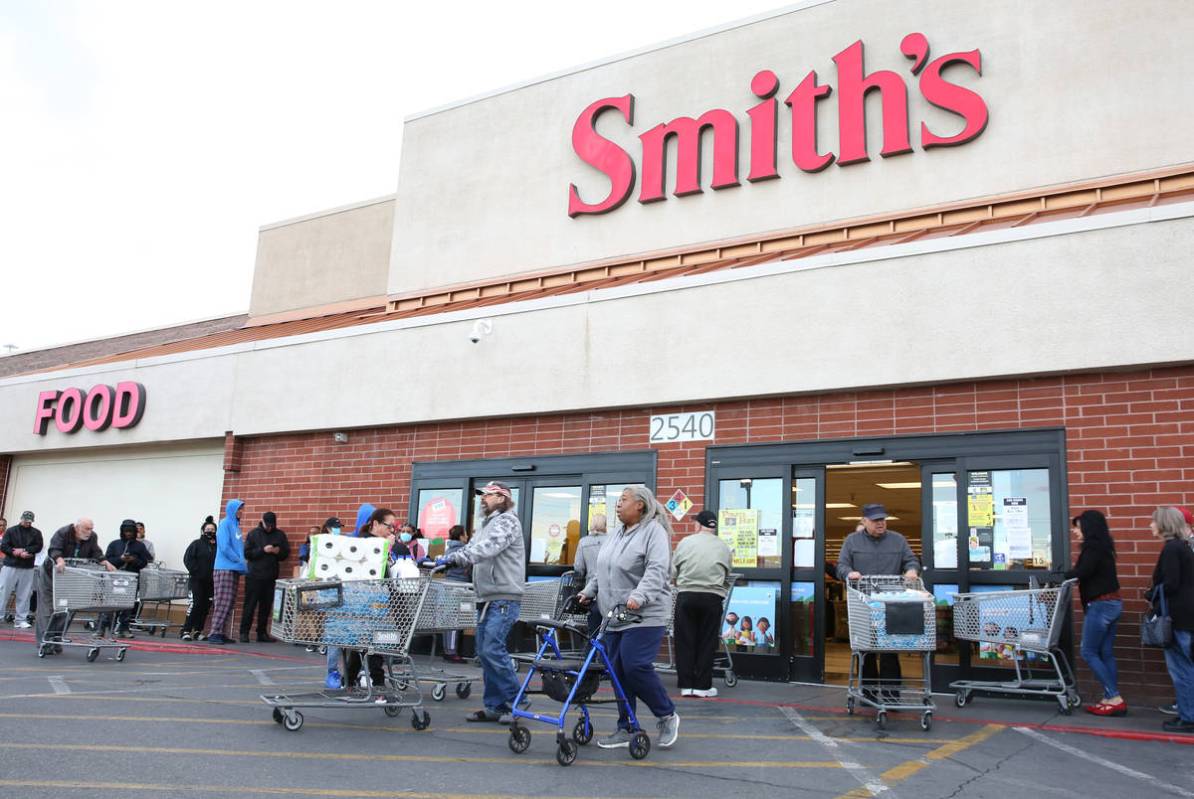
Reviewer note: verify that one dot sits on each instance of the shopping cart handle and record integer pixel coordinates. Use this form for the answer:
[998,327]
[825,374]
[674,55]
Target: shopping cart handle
[430,566]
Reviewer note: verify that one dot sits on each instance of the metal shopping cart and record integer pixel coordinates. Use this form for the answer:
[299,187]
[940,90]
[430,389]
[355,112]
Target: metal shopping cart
[1023,626]
[84,585]
[723,661]
[891,614]
[547,601]
[371,617]
[158,587]
[449,606]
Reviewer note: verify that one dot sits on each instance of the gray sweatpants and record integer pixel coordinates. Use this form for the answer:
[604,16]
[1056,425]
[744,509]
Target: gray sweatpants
[21,581]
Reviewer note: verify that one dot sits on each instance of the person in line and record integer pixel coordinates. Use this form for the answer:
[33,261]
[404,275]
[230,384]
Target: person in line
[379,525]
[229,566]
[304,550]
[153,555]
[200,562]
[457,537]
[1171,710]
[335,660]
[1173,579]
[878,551]
[265,547]
[586,558]
[633,570]
[1098,586]
[76,542]
[128,555]
[701,569]
[20,546]
[497,555]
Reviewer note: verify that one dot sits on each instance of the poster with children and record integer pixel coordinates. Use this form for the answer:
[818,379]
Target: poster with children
[749,624]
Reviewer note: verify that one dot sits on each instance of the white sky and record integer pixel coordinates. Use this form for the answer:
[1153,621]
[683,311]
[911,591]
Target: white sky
[143,143]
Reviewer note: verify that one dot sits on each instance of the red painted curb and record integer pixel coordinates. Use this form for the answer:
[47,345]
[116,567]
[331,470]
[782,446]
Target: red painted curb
[144,645]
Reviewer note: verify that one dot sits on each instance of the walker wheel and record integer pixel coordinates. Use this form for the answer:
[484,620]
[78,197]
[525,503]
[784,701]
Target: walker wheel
[582,733]
[293,721]
[926,721]
[391,711]
[42,651]
[277,715]
[92,654]
[566,752]
[961,698]
[120,655]
[420,722]
[640,745]
[520,739]
[881,720]
[463,689]
[438,693]
[731,679]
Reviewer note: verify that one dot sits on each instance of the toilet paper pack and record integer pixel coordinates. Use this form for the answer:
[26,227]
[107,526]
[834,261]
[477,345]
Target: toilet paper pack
[347,558]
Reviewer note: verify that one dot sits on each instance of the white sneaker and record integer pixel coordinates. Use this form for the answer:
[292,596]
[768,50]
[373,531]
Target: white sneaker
[669,730]
[709,694]
[22,625]
[686,692]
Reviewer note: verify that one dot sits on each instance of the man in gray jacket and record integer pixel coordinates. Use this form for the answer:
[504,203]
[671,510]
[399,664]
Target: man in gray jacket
[875,550]
[497,556]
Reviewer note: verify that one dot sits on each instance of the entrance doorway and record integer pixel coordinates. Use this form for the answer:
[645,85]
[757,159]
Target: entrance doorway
[848,487]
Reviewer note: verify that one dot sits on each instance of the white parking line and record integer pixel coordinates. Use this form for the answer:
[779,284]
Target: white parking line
[1122,769]
[872,784]
[58,683]
[261,676]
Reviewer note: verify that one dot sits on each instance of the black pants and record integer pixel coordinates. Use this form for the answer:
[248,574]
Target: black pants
[886,676]
[201,594]
[352,666]
[259,597]
[698,616]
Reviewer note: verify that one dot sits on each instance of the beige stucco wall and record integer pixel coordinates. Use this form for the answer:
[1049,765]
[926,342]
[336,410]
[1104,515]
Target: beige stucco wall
[1077,89]
[323,259]
[1065,301]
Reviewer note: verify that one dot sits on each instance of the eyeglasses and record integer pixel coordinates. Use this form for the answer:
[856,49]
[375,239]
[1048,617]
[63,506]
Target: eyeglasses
[389,527]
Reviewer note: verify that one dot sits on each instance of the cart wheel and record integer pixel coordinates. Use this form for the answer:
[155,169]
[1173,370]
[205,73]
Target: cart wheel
[1073,697]
[520,739]
[961,698]
[392,711]
[881,720]
[164,632]
[420,723]
[42,651]
[566,752]
[92,654]
[1064,701]
[926,721]
[120,655]
[582,733]
[293,721]
[401,685]
[731,679]
[849,706]
[640,745]
[463,689]
[438,693]
[277,715]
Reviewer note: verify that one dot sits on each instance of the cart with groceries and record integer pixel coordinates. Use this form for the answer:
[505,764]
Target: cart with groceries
[87,586]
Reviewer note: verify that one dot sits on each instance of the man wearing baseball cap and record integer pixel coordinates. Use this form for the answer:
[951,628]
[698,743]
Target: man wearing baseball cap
[875,550]
[497,555]
[20,545]
[701,568]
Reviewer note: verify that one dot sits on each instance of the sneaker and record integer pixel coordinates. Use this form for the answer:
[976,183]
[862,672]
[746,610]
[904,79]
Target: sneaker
[217,639]
[186,636]
[1169,710]
[1177,725]
[334,681]
[22,625]
[686,692]
[200,637]
[123,634]
[617,740]
[707,693]
[669,730]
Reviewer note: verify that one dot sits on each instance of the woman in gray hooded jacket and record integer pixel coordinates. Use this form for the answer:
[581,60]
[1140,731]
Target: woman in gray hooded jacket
[633,569]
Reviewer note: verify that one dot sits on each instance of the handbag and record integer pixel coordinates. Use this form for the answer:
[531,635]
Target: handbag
[1156,629]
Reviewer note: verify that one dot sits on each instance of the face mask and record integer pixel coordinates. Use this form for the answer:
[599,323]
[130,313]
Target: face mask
[334,530]
[405,537]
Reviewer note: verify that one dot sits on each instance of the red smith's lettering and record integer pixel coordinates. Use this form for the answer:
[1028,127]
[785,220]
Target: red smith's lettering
[854,83]
[97,410]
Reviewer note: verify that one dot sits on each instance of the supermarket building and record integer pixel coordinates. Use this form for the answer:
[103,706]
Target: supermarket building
[820,258]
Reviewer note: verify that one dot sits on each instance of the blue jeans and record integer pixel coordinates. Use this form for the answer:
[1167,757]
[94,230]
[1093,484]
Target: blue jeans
[501,685]
[1098,642]
[632,653]
[1181,670]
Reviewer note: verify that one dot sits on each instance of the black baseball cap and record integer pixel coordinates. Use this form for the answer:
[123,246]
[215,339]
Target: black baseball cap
[332,521]
[707,518]
[874,511]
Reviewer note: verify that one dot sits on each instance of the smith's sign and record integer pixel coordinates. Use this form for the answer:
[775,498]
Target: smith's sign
[853,85]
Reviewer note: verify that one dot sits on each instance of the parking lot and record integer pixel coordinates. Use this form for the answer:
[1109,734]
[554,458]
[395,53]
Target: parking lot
[178,720]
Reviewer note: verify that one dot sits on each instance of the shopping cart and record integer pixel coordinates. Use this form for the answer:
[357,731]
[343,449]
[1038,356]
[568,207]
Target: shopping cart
[1023,626]
[548,601]
[723,661]
[84,585]
[158,587]
[371,617]
[449,606]
[891,614]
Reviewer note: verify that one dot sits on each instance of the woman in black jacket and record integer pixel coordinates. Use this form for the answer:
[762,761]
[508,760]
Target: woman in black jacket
[1102,604]
[200,560]
[1173,579]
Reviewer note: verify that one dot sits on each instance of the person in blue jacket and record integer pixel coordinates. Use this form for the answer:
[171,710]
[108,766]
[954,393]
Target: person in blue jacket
[230,565]
[336,670]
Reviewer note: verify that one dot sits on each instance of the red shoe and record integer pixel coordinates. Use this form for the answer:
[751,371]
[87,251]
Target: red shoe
[1105,709]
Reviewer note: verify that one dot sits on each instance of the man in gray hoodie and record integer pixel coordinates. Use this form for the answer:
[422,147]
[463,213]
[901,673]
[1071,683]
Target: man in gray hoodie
[498,558]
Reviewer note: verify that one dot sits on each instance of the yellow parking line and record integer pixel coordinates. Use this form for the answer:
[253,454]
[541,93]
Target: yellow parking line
[174,789]
[903,771]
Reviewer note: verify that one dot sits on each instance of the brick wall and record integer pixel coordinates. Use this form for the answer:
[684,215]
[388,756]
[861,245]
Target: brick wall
[1130,448]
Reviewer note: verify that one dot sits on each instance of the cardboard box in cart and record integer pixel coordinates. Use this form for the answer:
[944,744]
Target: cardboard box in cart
[340,557]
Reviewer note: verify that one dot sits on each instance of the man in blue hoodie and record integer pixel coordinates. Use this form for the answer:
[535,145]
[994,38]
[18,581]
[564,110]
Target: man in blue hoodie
[229,566]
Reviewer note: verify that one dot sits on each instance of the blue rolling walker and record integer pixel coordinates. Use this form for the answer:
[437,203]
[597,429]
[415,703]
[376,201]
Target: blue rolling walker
[572,681]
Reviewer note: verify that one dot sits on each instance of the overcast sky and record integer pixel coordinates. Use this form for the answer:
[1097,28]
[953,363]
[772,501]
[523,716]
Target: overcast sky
[143,143]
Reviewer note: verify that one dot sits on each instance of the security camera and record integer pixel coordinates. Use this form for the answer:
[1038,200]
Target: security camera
[481,329]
